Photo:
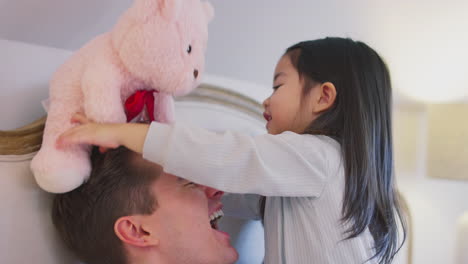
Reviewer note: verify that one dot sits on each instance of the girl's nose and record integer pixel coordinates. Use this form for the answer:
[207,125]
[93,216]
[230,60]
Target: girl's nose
[213,193]
[266,102]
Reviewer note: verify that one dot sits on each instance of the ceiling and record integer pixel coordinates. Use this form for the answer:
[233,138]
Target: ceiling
[424,42]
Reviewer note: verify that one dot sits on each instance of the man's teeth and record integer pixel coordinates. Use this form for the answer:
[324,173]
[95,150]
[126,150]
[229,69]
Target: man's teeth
[216,215]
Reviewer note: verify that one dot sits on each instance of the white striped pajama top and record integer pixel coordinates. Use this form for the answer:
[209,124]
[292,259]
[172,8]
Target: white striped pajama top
[301,175]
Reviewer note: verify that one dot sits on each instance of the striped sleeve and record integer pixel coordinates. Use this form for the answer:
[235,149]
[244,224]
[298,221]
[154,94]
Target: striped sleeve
[271,165]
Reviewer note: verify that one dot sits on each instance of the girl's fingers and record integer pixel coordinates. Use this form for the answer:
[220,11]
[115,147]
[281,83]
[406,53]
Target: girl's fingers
[80,119]
[76,135]
[87,132]
[91,134]
[66,138]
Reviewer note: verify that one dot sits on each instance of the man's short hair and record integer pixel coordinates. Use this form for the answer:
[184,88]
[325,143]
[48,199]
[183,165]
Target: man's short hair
[119,185]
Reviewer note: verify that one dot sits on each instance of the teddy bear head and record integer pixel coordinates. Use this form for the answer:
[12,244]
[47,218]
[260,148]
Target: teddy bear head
[163,43]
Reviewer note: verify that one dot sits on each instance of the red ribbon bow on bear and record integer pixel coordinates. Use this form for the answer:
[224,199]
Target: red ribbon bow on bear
[137,101]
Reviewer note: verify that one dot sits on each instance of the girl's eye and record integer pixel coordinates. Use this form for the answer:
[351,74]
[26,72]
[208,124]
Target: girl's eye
[189,49]
[276,87]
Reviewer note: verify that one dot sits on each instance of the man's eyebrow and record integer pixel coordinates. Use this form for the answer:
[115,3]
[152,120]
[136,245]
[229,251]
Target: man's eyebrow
[278,75]
[179,179]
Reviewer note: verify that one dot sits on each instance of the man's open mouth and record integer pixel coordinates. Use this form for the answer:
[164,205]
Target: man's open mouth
[214,218]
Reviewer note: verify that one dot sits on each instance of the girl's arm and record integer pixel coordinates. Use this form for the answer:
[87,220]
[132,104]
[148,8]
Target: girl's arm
[271,165]
[130,135]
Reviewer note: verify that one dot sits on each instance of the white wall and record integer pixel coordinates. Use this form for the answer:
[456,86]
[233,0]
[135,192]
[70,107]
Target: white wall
[63,24]
[417,38]
[25,70]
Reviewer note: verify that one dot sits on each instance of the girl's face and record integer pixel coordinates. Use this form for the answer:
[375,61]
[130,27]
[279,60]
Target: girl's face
[284,110]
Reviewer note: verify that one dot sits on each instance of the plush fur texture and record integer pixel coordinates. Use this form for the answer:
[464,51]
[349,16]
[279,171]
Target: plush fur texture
[156,44]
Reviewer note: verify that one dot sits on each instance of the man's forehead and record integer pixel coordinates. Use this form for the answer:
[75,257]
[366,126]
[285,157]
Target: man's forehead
[173,177]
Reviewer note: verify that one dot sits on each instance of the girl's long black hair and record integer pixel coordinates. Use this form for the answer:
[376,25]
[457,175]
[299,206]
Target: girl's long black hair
[360,120]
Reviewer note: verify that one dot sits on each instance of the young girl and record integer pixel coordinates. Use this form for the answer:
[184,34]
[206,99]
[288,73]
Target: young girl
[325,166]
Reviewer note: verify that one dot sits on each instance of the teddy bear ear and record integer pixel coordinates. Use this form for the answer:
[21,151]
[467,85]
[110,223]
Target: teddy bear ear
[209,11]
[170,9]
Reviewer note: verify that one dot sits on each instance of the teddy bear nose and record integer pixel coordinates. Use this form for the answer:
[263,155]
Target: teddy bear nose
[195,73]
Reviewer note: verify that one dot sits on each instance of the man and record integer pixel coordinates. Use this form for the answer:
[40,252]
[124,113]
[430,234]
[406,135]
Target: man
[131,211]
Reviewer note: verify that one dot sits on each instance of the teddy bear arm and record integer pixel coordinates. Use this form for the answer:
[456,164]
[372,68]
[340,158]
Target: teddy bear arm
[102,95]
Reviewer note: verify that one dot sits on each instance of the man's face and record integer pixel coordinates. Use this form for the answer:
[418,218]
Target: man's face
[182,223]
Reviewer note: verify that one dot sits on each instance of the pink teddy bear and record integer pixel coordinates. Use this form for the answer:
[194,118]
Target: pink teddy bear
[156,45]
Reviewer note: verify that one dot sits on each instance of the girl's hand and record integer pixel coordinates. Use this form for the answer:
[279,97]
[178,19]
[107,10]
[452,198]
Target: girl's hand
[105,136]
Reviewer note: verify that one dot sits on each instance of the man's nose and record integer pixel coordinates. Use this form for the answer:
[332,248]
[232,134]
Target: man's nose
[213,193]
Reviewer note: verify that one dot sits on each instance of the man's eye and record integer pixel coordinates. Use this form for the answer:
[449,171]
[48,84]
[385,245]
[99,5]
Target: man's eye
[190,184]
[189,49]
[276,87]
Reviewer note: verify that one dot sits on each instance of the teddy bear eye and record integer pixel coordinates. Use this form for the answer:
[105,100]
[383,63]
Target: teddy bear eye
[189,49]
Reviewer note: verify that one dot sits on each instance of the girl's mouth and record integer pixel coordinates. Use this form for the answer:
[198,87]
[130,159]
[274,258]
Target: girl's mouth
[267,116]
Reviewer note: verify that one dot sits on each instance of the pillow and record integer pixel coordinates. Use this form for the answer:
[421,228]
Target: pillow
[28,235]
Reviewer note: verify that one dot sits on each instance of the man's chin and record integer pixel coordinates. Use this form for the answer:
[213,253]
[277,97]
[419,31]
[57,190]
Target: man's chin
[231,254]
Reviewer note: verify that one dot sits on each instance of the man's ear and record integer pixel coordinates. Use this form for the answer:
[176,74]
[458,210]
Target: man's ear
[327,96]
[131,230]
